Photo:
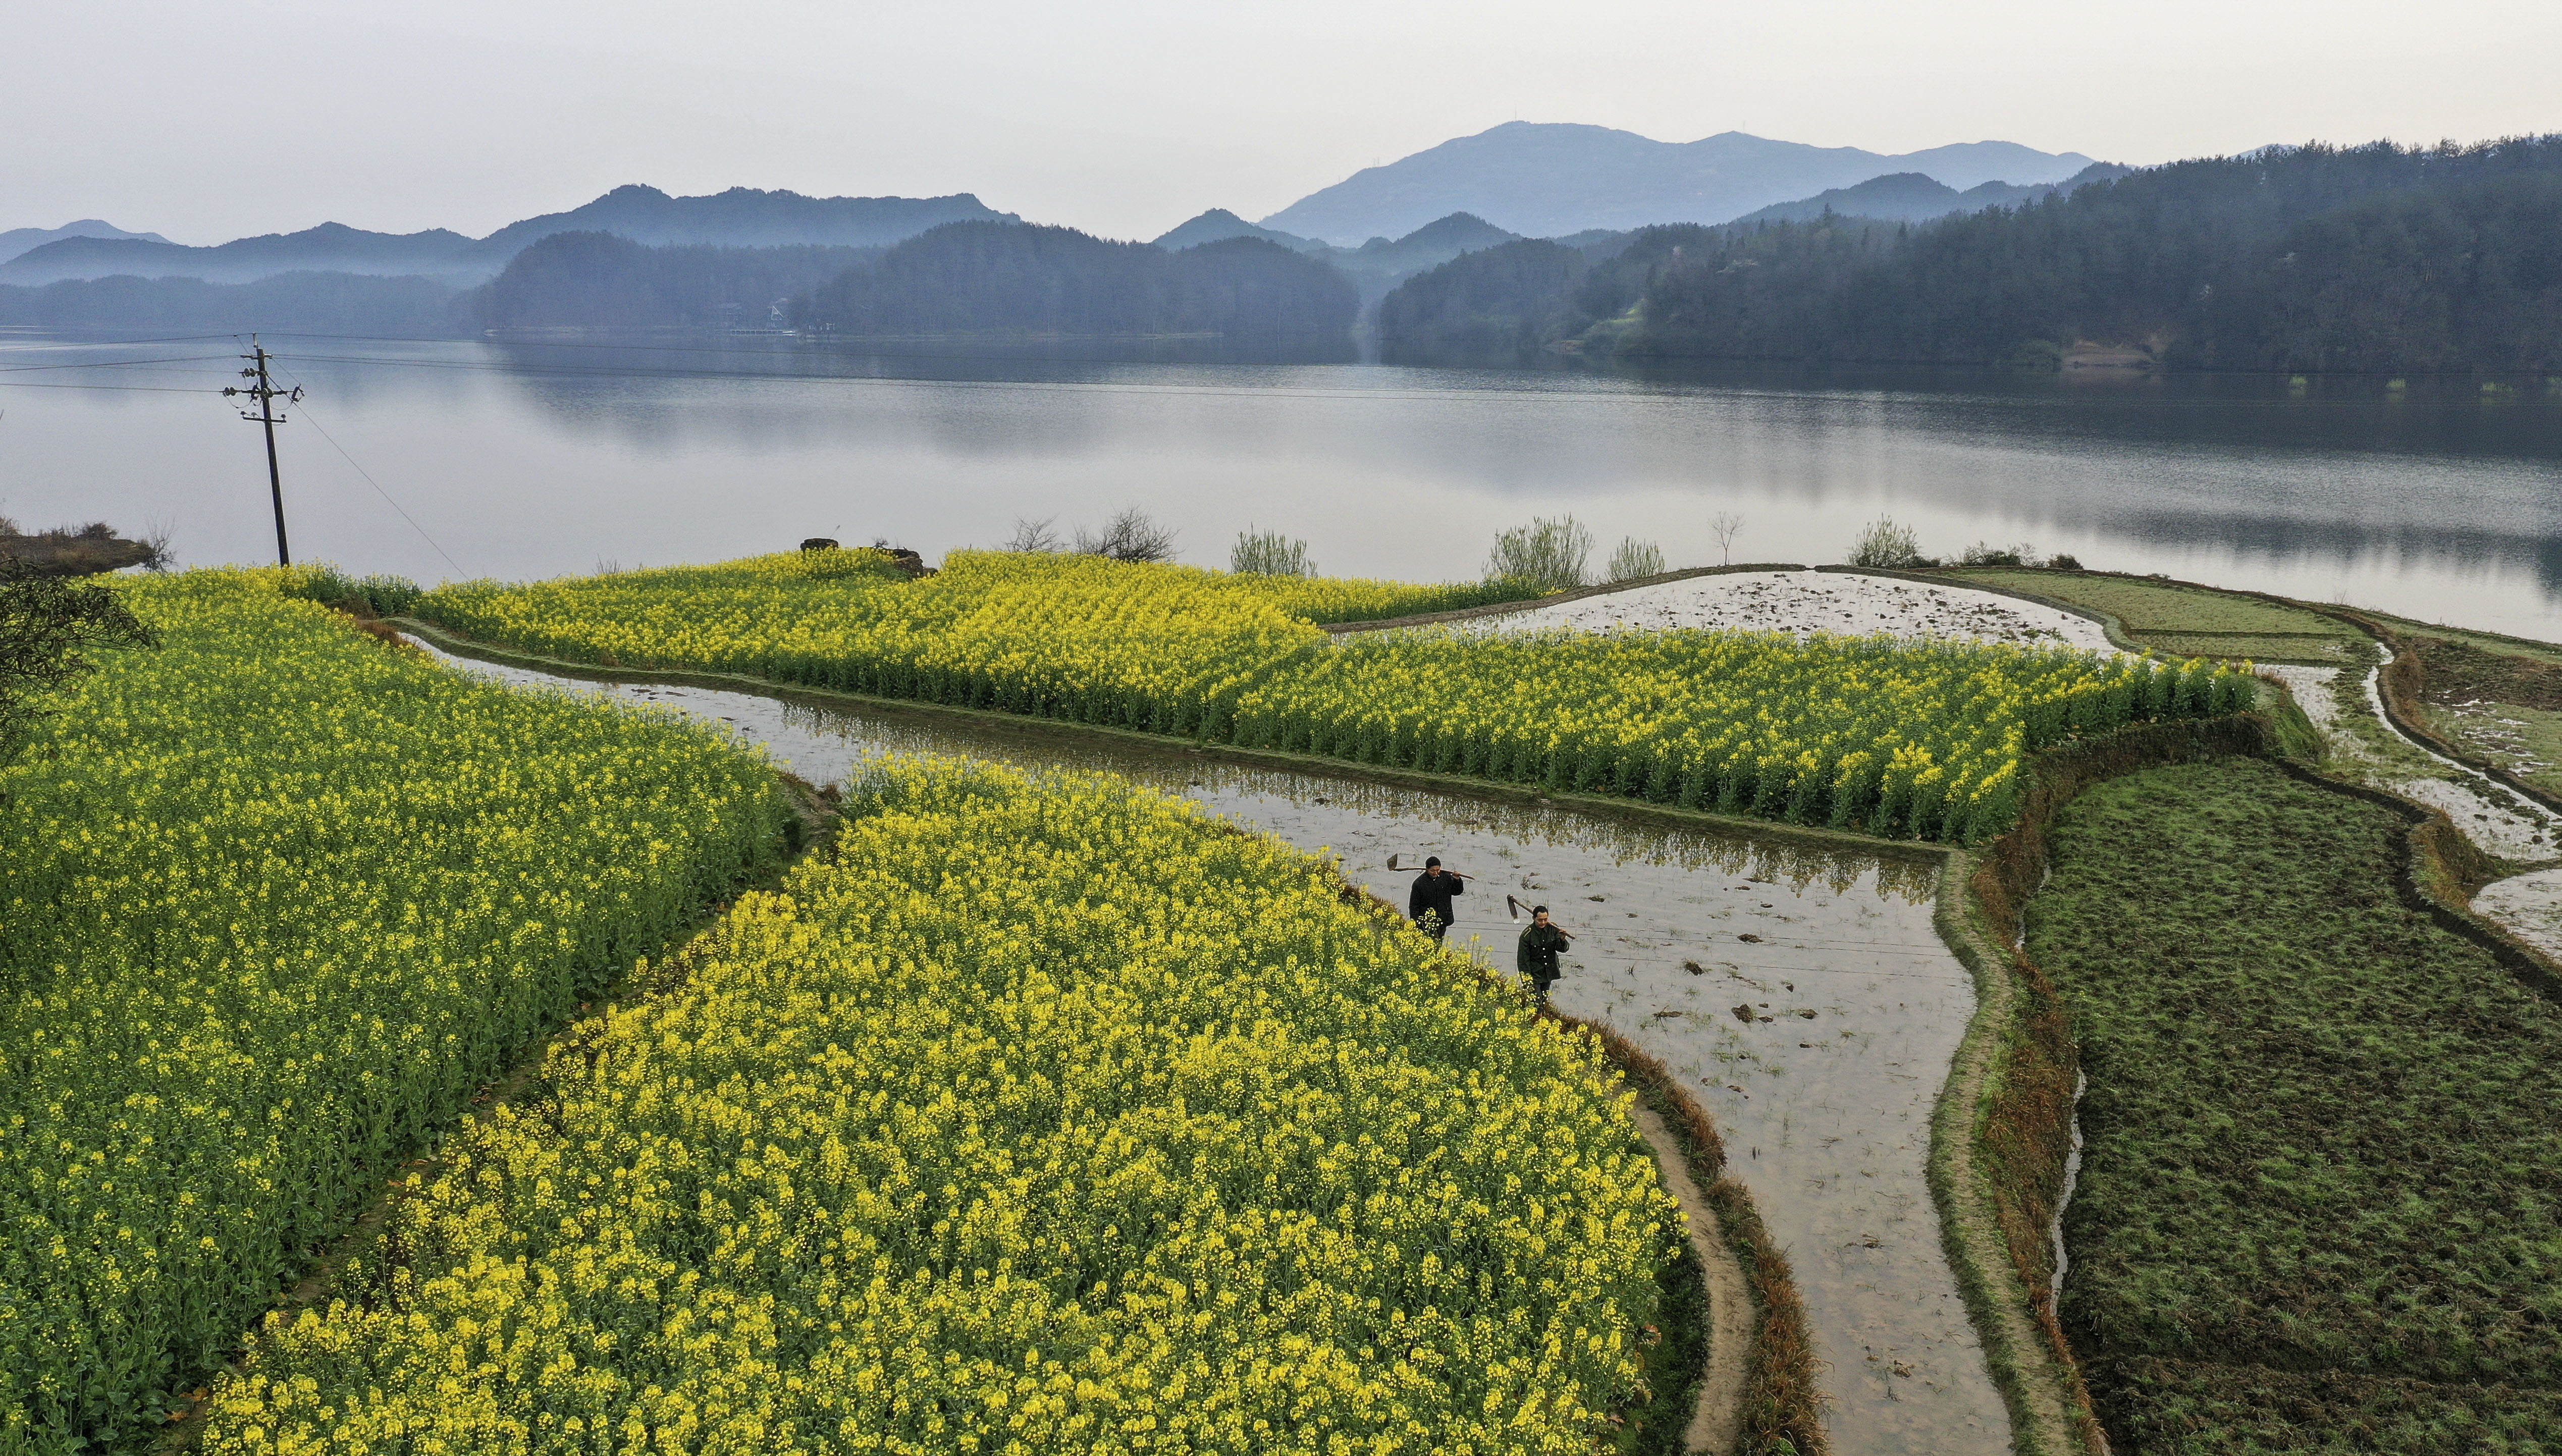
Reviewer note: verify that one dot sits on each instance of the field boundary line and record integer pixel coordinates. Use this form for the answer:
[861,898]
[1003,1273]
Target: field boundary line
[1759,1353]
[2117,628]
[2397,689]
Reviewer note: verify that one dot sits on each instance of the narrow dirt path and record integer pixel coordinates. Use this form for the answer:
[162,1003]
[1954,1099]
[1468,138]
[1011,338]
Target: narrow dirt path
[1717,1413]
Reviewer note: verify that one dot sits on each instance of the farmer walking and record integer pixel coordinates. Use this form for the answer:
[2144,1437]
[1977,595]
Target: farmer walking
[1429,902]
[1535,957]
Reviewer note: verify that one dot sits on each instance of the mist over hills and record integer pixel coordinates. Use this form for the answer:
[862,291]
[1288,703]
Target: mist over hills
[1909,197]
[21,239]
[740,216]
[1219,225]
[2308,258]
[1547,179]
[2374,258]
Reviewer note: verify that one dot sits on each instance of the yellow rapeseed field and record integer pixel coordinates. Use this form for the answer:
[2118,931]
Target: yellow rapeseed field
[1038,1117]
[1892,737]
[277,900]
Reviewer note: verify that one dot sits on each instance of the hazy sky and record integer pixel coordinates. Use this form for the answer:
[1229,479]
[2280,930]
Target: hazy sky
[206,121]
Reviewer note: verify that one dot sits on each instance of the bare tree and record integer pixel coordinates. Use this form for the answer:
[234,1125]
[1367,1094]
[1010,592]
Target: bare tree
[1132,535]
[1726,525]
[157,538]
[1031,535]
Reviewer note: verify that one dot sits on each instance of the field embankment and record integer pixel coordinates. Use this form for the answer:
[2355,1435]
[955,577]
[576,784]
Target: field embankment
[278,901]
[1123,1129]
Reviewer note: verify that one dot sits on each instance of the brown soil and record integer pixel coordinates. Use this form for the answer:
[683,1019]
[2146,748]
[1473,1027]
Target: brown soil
[76,553]
[1717,1413]
[2454,672]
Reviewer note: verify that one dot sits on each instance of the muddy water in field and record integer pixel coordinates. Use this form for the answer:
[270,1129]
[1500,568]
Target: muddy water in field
[1823,1094]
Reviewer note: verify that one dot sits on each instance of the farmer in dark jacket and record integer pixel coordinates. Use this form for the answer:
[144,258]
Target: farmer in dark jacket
[1535,957]
[1429,902]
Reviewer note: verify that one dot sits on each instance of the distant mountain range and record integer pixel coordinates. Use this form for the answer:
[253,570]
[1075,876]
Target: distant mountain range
[740,216]
[1375,266]
[21,239]
[1909,197]
[1219,225]
[704,259]
[1546,180]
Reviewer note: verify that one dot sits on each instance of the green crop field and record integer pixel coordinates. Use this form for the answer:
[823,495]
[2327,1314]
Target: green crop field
[2321,1208]
[2496,697]
[2181,619]
[278,901]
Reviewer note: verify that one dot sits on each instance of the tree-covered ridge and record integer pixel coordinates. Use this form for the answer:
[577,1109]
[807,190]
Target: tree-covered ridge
[974,278]
[599,281]
[2313,257]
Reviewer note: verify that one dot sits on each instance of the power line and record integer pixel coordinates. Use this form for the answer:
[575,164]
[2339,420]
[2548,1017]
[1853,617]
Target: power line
[314,422]
[119,388]
[112,343]
[111,364]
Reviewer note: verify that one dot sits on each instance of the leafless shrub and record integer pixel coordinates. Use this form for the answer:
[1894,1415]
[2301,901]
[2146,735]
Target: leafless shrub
[1031,535]
[1131,535]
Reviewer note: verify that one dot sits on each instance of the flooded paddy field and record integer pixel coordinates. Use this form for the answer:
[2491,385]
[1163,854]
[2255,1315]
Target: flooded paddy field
[1802,995]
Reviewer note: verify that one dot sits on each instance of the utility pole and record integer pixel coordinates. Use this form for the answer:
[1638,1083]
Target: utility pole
[265,392]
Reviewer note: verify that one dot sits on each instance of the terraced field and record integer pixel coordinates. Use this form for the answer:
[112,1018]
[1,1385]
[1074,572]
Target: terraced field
[2180,620]
[2323,1186]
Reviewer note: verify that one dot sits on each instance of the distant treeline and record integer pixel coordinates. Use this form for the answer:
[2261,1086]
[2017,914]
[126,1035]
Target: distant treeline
[989,278]
[321,302]
[600,280]
[2316,257]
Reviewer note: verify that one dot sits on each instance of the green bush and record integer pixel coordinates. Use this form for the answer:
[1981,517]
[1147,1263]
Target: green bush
[1269,553]
[1548,554]
[1635,559]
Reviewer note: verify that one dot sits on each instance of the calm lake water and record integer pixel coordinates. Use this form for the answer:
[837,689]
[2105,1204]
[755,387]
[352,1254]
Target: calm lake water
[531,458]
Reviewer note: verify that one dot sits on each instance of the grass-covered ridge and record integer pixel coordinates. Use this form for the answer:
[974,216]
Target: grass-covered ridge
[1900,738]
[277,900]
[1041,1115]
[2181,619]
[2321,1197]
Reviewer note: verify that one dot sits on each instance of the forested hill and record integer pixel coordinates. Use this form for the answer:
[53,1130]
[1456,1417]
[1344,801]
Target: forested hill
[1021,278]
[600,280]
[2316,257]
